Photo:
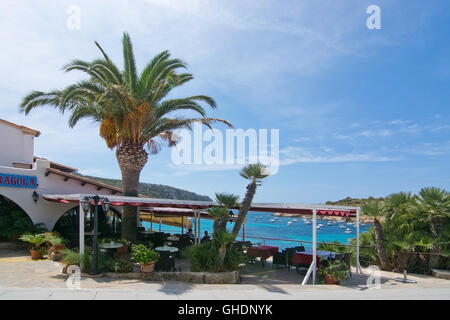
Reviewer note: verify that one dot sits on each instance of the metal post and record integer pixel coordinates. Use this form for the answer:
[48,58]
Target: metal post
[199,228]
[357,241]
[81,226]
[94,264]
[182,224]
[160,224]
[314,245]
[152,216]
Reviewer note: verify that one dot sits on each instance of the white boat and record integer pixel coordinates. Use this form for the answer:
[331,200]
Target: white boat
[289,223]
[318,227]
[307,222]
[329,224]
[348,230]
[341,226]
[272,220]
[294,220]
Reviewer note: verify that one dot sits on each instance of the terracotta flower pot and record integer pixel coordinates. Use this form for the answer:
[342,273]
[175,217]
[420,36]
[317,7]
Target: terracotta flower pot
[36,254]
[330,280]
[122,250]
[148,268]
[58,247]
[14,237]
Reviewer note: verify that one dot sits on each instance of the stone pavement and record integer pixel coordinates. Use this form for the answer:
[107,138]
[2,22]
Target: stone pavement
[22,278]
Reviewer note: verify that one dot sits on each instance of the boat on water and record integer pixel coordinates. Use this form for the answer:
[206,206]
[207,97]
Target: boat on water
[318,227]
[294,220]
[341,226]
[348,230]
[272,220]
[289,223]
[307,222]
[329,223]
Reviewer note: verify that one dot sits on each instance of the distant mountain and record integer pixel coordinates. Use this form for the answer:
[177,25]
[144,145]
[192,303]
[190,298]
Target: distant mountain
[353,202]
[156,190]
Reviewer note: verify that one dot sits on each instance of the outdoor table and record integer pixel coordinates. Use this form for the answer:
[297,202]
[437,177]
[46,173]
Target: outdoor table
[147,232]
[321,253]
[262,252]
[167,248]
[111,246]
[305,257]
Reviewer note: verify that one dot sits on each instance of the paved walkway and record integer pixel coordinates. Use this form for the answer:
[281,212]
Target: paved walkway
[22,278]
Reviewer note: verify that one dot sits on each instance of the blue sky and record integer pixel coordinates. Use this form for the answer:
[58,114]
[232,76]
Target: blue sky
[360,112]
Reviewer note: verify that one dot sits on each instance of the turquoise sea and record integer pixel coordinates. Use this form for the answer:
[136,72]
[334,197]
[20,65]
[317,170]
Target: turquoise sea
[259,225]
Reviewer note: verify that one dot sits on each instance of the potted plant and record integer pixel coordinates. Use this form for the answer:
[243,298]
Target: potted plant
[146,257]
[126,246]
[335,272]
[56,242]
[37,240]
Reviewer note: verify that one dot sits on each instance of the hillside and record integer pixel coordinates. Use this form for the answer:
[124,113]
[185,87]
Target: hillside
[353,202]
[156,190]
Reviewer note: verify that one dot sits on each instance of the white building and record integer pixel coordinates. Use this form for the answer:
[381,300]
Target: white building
[22,174]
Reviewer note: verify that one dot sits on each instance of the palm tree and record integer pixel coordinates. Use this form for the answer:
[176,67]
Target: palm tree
[433,207]
[255,173]
[376,210]
[133,110]
[221,212]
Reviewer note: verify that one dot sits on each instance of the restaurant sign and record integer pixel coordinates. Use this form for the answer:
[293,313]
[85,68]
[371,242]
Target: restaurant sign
[16,181]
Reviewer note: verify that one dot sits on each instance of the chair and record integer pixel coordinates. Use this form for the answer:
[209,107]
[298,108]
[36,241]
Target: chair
[347,257]
[238,245]
[290,253]
[279,258]
[166,262]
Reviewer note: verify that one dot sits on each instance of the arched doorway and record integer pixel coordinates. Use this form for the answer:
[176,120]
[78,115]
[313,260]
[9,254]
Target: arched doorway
[109,224]
[14,221]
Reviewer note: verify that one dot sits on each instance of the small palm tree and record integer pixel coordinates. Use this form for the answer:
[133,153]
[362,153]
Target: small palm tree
[221,213]
[132,110]
[433,207]
[255,173]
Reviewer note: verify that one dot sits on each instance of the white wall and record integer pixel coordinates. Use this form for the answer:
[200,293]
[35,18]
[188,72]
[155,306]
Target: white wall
[15,146]
[44,211]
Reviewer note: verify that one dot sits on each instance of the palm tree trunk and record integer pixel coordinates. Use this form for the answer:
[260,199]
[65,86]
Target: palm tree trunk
[243,211]
[384,259]
[131,157]
[436,223]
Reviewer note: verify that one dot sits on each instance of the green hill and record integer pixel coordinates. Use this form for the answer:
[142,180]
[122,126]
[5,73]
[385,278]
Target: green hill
[353,202]
[156,190]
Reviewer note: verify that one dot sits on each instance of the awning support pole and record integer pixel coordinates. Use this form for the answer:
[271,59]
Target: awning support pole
[81,226]
[314,263]
[308,274]
[358,267]
[182,224]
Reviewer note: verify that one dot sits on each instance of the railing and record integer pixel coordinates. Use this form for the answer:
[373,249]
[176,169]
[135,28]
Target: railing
[303,241]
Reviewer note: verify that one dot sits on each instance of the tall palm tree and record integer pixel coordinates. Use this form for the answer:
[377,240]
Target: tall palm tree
[255,173]
[133,110]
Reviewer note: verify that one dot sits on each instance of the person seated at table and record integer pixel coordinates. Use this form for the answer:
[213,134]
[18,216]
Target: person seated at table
[206,237]
[190,234]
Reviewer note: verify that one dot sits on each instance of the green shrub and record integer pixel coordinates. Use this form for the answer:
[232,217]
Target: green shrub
[204,259]
[120,266]
[71,257]
[143,254]
[336,269]
[37,240]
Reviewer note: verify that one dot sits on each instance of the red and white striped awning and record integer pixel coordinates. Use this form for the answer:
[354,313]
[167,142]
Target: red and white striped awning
[151,204]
